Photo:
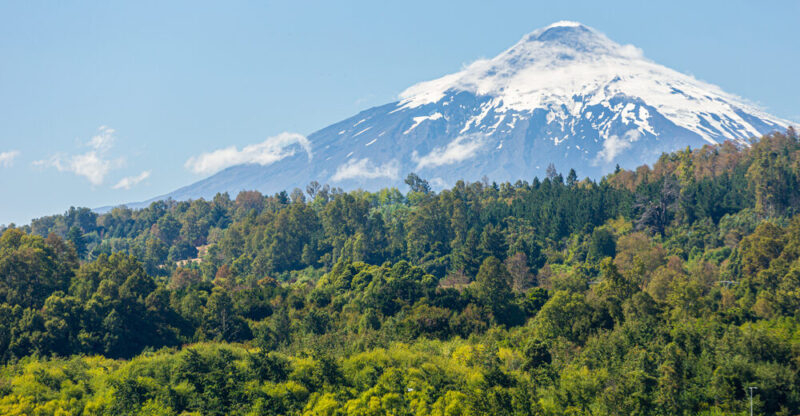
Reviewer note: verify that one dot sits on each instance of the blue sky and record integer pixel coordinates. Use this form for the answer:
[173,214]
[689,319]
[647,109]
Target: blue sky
[103,102]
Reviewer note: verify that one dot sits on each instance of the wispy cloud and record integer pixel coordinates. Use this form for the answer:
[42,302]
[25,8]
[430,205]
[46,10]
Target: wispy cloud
[614,145]
[458,150]
[94,165]
[267,152]
[364,168]
[103,140]
[438,183]
[7,158]
[130,181]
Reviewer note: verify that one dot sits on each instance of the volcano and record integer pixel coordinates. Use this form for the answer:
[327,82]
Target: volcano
[565,94]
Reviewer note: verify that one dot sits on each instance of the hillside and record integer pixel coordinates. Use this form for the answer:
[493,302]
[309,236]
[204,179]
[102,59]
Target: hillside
[660,290]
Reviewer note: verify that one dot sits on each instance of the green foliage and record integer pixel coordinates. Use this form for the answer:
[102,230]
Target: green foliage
[658,291]
[602,244]
[32,267]
[493,286]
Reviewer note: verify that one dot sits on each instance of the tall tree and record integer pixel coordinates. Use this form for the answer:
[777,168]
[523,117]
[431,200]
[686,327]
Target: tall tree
[493,285]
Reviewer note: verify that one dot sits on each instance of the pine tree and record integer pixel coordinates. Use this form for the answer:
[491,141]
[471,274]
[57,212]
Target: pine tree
[75,235]
[493,242]
[493,285]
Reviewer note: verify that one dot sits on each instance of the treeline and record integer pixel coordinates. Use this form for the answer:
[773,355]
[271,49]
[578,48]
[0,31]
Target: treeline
[665,290]
[258,236]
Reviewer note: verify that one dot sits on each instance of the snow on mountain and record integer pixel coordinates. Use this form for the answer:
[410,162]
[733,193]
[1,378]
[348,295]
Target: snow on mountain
[564,94]
[566,67]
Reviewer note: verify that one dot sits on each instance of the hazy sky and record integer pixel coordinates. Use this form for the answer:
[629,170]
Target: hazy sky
[103,103]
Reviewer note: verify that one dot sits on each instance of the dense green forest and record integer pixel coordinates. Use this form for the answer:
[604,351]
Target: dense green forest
[667,290]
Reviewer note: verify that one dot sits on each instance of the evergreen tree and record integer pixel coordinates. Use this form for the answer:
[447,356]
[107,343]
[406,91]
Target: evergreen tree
[493,242]
[493,285]
[75,236]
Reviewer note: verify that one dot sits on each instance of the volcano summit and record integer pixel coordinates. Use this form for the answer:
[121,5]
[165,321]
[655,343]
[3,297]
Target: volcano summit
[564,94]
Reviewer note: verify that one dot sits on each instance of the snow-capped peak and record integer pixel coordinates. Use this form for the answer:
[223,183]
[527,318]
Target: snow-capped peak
[571,35]
[564,23]
[566,66]
[564,94]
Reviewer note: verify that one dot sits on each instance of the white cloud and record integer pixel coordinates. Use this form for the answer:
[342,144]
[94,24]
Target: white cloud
[364,168]
[93,165]
[267,152]
[7,158]
[103,140]
[460,149]
[129,181]
[438,183]
[614,145]
[631,51]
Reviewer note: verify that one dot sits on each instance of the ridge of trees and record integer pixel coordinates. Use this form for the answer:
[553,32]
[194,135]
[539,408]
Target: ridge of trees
[664,290]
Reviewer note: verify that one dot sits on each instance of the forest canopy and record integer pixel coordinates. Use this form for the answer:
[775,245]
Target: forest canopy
[663,290]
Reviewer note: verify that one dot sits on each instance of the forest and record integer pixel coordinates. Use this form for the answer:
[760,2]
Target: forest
[665,290]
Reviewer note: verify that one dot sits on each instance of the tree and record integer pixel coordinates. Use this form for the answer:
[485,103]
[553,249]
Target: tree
[536,355]
[297,196]
[493,242]
[312,189]
[521,276]
[281,324]
[467,256]
[31,270]
[602,244]
[417,184]
[771,178]
[572,178]
[565,315]
[534,300]
[551,172]
[181,250]
[221,320]
[492,285]
[167,229]
[656,214]
[75,236]
[247,201]
[154,256]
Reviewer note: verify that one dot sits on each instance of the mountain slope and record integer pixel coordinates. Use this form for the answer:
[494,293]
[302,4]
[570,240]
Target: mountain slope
[564,94]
